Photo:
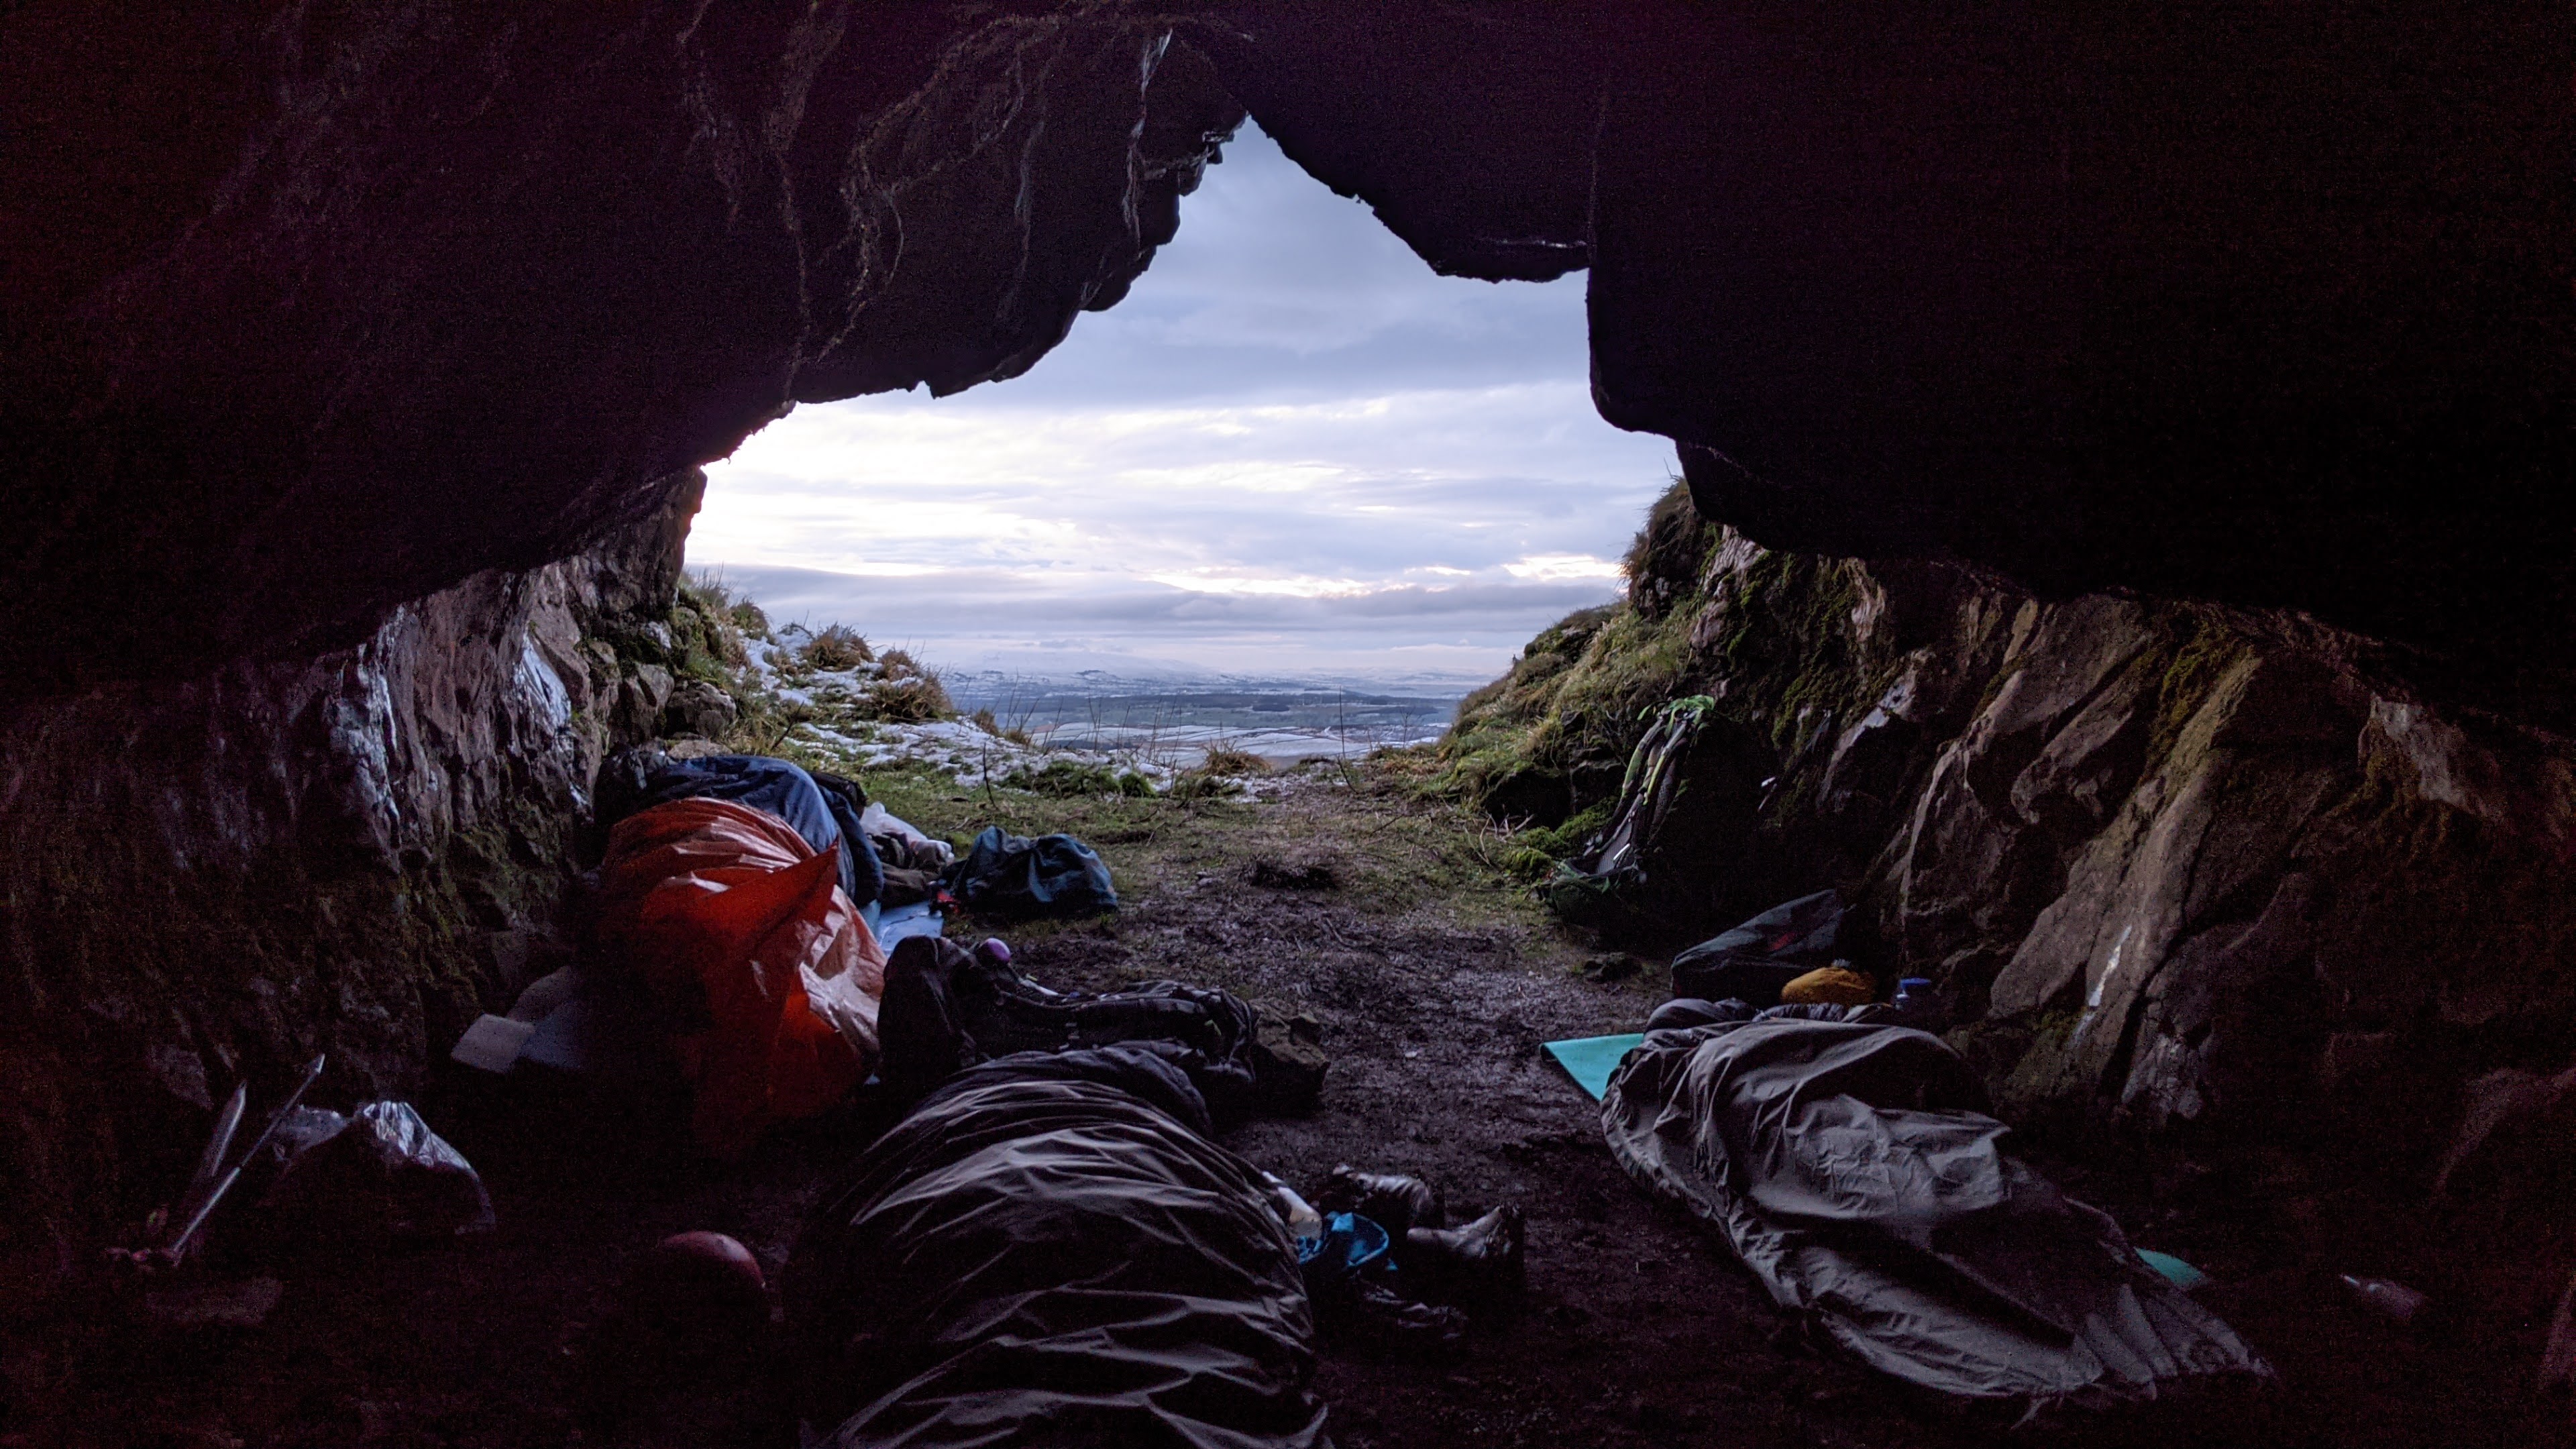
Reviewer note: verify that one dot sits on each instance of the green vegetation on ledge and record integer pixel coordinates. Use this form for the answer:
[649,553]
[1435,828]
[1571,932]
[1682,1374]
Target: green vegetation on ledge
[1771,636]
[1547,743]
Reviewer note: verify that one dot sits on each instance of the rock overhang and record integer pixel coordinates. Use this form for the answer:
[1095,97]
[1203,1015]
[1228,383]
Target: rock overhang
[2271,309]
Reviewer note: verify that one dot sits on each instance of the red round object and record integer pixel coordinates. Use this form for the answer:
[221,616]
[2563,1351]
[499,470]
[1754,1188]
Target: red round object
[700,1288]
[714,1248]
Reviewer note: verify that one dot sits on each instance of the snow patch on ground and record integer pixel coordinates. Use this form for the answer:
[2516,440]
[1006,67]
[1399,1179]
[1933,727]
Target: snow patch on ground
[960,750]
[953,747]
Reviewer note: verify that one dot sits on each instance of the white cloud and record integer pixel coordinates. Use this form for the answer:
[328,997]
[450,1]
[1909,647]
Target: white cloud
[1563,566]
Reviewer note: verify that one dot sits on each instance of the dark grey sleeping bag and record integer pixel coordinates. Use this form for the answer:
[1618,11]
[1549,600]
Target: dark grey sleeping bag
[1854,1169]
[1050,1251]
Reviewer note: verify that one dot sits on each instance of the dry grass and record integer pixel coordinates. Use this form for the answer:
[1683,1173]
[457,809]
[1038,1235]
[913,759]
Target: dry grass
[907,699]
[839,647]
[1227,760]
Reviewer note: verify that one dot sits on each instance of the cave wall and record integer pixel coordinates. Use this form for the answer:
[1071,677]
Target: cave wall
[2196,871]
[214,879]
[355,361]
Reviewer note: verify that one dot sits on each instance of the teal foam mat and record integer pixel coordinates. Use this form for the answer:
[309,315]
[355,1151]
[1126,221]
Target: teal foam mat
[1590,1060]
[2177,1272]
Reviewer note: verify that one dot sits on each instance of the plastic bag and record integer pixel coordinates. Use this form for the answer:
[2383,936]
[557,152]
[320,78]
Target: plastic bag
[380,1171]
[742,933]
[920,852]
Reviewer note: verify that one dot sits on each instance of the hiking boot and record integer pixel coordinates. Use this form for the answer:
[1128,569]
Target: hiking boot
[1372,1318]
[1479,1263]
[1391,1200]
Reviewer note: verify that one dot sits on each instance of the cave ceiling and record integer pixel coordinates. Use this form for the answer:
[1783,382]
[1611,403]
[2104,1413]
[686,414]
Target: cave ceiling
[310,309]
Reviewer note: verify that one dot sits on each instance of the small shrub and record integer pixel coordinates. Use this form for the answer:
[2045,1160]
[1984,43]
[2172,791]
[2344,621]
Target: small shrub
[916,699]
[765,722]
[1228,760]
[839,647]
[705,592]
[983,720]
[897,664]
[700,647]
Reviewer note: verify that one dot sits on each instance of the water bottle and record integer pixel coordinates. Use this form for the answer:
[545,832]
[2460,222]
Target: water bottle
[1300,1216]
[1914,1003]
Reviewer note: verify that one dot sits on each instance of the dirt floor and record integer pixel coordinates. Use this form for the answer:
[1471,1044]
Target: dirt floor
[1432,981]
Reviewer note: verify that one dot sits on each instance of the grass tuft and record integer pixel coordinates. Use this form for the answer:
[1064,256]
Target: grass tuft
[914,698]
[839,647]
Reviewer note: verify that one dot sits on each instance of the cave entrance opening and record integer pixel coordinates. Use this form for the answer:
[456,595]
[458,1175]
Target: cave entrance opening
[1292,467]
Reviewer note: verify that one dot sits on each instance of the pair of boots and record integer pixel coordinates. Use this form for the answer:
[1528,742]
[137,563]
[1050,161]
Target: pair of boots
[1438,1270]
[945,1009]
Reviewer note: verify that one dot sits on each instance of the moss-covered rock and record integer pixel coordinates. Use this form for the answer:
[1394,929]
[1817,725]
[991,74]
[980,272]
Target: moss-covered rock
[1784,643]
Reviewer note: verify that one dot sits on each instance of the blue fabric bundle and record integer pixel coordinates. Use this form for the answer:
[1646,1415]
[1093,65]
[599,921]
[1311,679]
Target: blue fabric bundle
[1012,875]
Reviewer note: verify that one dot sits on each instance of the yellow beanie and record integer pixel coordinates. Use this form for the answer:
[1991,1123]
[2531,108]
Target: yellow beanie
[1830,986]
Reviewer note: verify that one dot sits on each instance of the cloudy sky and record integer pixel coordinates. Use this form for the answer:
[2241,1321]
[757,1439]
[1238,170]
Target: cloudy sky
[1291,451]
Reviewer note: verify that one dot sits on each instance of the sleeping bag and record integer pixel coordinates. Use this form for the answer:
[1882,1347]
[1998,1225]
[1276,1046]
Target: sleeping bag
[748,945]
[824,808]
[1049,1250]
[1854,1169]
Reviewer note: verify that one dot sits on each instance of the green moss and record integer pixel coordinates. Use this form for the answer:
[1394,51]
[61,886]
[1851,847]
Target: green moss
[1788,653]
[2206,651]
[1561,842]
